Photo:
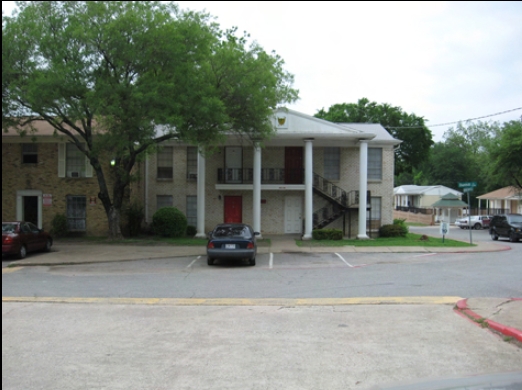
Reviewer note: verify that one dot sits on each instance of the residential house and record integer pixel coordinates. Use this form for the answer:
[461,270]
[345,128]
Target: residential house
[44,175]
[417,203]
[503,200]
[310,174]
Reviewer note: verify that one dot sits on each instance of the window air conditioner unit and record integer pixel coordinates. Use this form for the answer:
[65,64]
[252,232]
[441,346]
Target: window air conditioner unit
[192,175]
[75,174]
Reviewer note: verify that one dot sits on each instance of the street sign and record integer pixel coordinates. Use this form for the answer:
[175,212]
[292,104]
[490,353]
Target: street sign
[468,184]
[444,228]
[468,189]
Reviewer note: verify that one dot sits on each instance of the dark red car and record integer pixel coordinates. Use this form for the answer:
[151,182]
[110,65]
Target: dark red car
[20,238]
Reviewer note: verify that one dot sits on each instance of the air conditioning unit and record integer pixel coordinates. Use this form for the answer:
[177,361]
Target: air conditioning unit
[192,176]
[75,174]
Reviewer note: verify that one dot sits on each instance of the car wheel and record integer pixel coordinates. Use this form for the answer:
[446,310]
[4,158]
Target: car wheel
[210,261]
[477,226]
[48,245]
[22,252]
[512,237]
[252,261]
[494,236]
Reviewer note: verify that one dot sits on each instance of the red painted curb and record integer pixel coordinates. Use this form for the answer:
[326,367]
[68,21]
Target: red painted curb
[462,307]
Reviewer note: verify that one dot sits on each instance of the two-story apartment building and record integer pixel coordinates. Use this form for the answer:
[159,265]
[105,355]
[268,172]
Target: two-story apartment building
[43,175]
[310,174]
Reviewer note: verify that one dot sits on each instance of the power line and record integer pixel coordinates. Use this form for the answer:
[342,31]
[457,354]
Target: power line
[455,122]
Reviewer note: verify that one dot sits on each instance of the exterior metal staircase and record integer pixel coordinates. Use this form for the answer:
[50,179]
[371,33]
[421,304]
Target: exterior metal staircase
[340,201]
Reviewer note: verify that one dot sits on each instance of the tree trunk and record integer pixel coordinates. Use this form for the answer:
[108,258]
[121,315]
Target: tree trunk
[114,218]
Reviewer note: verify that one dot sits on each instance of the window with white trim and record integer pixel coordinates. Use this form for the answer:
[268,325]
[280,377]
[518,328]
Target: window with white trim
[192,163]
[332,163]
[165,163]
[374,163]
[76,213]
[163,201]
[192,210]
[30,153]
[74,161]
[375,213]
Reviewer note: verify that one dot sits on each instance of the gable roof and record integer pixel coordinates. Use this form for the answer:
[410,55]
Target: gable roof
[509,192]
[449,201]
[425,190]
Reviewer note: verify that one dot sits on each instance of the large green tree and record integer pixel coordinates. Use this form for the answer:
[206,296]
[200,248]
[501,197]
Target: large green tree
[506,155]
[120,77]
[410,128]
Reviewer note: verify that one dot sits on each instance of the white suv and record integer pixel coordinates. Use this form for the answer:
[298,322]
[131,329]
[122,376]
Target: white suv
[477,222]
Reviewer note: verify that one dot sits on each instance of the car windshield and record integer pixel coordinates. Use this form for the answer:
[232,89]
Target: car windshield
[8,227]
[231,231]
[515,218]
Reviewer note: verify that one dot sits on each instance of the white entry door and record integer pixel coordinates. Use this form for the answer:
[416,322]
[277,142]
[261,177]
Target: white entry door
[293,214]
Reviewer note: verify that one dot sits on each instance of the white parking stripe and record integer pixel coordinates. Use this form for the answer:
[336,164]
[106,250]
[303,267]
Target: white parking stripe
[348,264]
[271,262]
[191,264]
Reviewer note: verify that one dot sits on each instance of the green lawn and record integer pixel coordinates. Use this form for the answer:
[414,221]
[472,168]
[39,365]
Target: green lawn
[411,239]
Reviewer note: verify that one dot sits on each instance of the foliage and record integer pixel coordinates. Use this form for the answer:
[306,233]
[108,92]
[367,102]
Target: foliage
[393,230]
[400,222]
[169,222]
[506,155]
[327,234]
[410,128]
[411,240]
[120,77]
[59,227]
[191,231]
[135,217]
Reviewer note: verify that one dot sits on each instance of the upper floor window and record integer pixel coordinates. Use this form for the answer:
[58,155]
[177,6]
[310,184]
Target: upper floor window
[192,163]
[332,163]
[72,162]
[29,153]
[374,163]
[165,163]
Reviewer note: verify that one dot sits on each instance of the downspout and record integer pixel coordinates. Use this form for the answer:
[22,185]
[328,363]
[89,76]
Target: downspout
[147,189]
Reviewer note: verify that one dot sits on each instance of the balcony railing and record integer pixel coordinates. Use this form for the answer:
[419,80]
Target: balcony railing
[268,176]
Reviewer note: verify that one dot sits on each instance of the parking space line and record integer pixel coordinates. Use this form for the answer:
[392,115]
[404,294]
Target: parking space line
[10,270]
[271,261]
[342,258]
[191,264]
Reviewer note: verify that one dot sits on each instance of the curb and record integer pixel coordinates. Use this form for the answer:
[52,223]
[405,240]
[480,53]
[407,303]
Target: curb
[462,307]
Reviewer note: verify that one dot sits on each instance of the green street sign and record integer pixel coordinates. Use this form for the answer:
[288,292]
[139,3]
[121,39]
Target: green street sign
[468,189]
[468,184]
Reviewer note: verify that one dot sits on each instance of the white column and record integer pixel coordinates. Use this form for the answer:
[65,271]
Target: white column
[363,188]
[256,196]
[201,196]
[309,195]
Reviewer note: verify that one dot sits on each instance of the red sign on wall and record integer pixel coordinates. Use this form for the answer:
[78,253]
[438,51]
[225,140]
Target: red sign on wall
[47,200]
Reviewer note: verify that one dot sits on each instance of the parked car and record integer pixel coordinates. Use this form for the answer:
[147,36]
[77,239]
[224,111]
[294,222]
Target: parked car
[506,225]
[477,222]
[20,238]
[232,241]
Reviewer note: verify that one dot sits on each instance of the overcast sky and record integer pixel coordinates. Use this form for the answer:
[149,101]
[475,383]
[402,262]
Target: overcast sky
[445,61]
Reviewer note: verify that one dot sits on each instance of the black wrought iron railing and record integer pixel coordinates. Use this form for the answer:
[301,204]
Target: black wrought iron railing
[336,193]
[268,176]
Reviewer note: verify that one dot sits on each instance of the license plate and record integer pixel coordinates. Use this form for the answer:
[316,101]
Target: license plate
[230,246]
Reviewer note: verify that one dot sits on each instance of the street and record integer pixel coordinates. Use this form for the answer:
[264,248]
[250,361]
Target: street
[147,343]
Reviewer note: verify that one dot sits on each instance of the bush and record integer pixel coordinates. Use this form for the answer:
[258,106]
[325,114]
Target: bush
[134,218]
[398,221]
[59,226]
[191,231]
[393,230]
[169,222]
[327,234]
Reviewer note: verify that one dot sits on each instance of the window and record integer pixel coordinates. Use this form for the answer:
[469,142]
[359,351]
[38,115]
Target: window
[29,153]
[374,164]
[192,210]
[376,209]
[165,163]
[163,201]
[192,163]
[76,213]
[74,161]
[332,162]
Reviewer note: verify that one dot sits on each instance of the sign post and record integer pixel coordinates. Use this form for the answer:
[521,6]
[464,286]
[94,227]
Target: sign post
[444,229]
[468,187]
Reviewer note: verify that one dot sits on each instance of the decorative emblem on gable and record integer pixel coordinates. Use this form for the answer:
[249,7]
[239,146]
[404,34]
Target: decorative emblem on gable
[281,121]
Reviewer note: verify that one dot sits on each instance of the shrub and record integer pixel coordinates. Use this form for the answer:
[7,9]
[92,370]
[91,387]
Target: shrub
[191,231]
[327,234]
[59,226]
[393,231]
[169,222]
[134,218]
[398,221]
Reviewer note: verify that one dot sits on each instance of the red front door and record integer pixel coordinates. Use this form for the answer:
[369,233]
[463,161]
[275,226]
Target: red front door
[233,209]
[294,165]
